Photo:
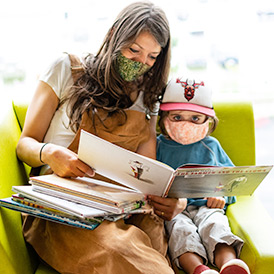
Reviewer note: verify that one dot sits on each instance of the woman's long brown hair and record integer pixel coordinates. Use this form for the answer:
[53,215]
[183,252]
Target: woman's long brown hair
[101,87]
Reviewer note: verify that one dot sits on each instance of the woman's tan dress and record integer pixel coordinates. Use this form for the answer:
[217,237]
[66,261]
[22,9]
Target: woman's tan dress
[138,246]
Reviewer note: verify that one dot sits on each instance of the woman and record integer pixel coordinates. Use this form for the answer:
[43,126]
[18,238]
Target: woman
[113,95]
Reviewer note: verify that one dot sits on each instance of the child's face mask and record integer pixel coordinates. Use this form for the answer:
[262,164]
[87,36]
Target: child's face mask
[130,70]
[185,132]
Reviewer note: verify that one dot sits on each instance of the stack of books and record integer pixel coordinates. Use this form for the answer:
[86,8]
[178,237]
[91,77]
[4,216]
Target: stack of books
[82,202]
[85,202]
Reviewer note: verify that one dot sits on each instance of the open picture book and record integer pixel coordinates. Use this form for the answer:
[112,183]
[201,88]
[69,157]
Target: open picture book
[149,176]
[86,202]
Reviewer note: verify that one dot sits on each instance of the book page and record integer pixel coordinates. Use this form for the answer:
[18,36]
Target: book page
[217,181]
[123,166]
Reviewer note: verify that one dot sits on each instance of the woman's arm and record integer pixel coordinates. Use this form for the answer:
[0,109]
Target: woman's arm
[149,148]
[40,112]
[62,161]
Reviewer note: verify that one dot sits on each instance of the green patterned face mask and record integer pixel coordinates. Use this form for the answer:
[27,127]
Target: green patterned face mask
[130,70]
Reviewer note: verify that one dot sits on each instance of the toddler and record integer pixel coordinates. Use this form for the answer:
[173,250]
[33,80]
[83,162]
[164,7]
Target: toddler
[201,233]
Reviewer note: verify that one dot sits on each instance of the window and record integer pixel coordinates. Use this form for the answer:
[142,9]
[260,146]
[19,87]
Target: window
[228,42]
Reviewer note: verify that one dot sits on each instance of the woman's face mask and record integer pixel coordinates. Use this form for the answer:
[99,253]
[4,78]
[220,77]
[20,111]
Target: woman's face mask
[130,70]
[185,132]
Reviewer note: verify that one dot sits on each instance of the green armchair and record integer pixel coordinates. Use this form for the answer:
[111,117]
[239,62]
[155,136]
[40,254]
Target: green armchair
[16,257]
[247,217]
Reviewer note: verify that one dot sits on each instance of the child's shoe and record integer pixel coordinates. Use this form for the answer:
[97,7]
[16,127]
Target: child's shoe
[203,269]
[235,266]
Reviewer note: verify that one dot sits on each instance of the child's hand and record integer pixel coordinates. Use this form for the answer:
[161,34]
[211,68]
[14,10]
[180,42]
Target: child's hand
[215,202]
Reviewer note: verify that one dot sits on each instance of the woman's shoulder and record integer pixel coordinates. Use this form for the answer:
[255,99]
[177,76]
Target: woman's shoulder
[58,74]
[60,62]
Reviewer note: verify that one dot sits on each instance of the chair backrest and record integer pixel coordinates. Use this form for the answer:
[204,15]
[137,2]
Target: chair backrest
[14,255]
[236,131]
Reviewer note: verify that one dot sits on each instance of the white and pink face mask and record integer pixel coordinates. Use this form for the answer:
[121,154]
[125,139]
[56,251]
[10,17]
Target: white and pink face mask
[186,132]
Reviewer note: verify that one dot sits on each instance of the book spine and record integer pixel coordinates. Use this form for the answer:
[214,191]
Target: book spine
[135,205]
[23,201]
[169,185]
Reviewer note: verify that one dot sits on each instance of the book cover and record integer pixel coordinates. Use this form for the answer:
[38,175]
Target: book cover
[45,214]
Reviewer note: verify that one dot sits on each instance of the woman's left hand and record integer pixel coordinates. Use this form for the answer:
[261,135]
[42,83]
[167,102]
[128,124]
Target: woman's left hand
[167,208]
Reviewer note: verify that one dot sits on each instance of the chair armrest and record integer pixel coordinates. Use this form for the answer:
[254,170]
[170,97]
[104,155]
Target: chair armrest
[250,221]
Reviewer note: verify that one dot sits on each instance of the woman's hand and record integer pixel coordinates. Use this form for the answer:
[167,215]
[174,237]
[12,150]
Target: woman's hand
[215,202]
[64,162]
[167,208]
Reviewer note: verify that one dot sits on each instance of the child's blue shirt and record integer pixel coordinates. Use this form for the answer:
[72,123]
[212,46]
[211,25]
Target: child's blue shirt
[208,151]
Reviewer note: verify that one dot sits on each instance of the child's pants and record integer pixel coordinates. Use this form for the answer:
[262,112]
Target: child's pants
[199,230]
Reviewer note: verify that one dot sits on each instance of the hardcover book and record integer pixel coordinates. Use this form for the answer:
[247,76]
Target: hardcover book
[89,192]
[47,214]
[149,176]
